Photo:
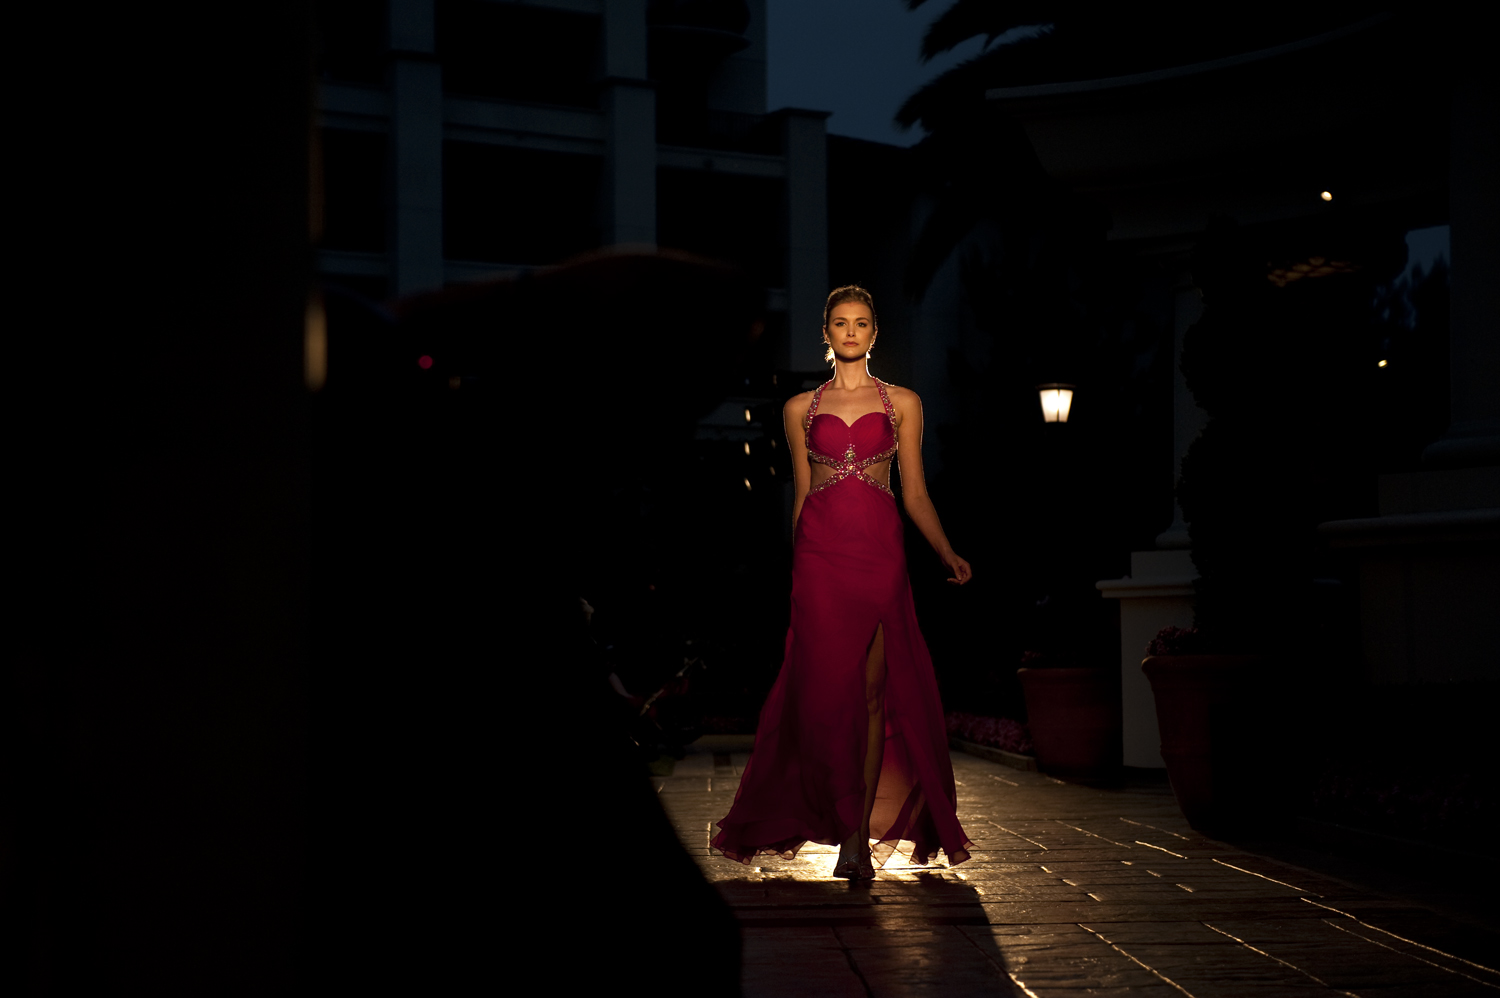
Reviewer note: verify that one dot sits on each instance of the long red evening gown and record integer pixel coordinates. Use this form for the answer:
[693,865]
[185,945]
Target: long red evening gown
[805,779]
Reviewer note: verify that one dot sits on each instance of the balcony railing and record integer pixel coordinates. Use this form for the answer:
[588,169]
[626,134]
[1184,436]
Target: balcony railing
[725,131]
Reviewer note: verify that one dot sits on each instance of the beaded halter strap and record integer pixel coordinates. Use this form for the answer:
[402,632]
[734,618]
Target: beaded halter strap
[849,465]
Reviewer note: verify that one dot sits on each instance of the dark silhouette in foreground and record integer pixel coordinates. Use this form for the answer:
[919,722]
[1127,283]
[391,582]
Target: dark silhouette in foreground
[487,456]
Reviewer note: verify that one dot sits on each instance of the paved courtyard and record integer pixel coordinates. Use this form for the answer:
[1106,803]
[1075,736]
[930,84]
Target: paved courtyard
[1071,891]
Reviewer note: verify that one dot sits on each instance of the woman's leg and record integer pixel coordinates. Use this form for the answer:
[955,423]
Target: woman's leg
[875,739]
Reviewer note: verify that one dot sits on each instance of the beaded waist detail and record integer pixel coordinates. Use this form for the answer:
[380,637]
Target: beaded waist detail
[848,466]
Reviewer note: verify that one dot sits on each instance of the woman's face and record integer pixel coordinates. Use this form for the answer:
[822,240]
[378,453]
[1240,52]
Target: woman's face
[850,330]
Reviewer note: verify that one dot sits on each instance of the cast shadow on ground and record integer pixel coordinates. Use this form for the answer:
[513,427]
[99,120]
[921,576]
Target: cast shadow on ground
[804,929]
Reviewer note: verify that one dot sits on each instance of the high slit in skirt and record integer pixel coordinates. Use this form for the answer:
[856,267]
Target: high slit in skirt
[805,779]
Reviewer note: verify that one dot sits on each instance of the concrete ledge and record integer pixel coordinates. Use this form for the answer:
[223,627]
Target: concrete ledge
[1175,73]
[1012,759]
[1128,588]
[1459,526]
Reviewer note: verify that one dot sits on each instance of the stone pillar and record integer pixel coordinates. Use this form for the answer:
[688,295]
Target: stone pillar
[630,128]
[1473,438]
[807,288]
[1429,564]
[1429,576]
[415,238]
[1157,593]
[1187,419]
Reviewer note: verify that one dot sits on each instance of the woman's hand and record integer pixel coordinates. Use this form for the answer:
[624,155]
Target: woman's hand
[959,568]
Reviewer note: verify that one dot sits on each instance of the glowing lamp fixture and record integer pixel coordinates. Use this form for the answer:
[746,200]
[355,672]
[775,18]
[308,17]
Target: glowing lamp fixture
[1381,364]
[1326,195]
[1057,399]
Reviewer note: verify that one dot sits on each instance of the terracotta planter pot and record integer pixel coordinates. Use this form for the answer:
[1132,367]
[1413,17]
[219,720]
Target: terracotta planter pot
[1074,717]
[1212,712]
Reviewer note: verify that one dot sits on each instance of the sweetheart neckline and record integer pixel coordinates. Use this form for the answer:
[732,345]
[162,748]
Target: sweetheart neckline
[850,426]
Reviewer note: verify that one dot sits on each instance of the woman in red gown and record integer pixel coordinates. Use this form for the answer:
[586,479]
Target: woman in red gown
[851,745]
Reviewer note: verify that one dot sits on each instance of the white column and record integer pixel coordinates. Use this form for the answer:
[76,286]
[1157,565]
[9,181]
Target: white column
[807,234]
[1157,593]
[625,39]
[415,213]
[630,128]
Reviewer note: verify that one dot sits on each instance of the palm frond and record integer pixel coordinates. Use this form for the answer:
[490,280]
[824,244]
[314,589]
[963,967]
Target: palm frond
[962,87]
[975,18]
[942,96]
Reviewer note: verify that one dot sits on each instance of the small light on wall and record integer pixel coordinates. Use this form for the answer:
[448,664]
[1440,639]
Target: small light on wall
[315,342]
[747,485]
[1057,400]
[747,415]
[1326,195]
[1382,363]
[747,443]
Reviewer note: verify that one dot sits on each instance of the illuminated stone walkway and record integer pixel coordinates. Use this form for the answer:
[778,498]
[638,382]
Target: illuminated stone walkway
[1070,891]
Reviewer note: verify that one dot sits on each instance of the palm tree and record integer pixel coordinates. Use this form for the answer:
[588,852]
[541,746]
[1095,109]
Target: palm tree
[991,198]
[986,187]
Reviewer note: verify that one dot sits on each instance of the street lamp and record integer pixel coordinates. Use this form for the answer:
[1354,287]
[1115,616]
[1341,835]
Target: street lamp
[1057,399]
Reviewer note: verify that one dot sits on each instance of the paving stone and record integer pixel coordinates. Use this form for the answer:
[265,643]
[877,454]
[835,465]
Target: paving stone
[797,962]
[1148,991]
[957,969]
[1070,891]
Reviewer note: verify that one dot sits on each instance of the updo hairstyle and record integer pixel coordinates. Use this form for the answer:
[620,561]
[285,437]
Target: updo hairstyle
[838,296]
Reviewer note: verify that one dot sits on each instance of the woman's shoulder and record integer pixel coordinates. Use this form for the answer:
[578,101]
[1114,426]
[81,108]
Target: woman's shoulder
[901,396]
[798,404]
[797,407]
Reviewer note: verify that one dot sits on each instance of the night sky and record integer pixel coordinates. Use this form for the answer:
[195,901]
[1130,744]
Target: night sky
[859,59]
[856,58]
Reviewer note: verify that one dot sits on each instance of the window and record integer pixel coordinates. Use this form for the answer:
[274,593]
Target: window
[515,52]
[725,217]
[353,190]
[351,41]
[522,206]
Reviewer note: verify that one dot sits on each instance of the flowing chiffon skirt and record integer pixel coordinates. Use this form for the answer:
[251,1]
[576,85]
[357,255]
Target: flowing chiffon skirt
[805,779]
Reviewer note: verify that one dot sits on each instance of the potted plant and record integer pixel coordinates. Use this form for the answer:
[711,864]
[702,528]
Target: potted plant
[1210,708]
[1073,715]
[1273,460]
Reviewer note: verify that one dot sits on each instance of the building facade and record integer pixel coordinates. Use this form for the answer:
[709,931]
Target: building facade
[463,140]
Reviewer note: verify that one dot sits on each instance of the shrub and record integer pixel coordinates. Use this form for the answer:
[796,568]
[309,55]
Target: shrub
[996,732]
[1177,641]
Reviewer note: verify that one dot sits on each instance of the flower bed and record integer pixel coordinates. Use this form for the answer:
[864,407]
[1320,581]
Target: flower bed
[1178,641]
[996,732]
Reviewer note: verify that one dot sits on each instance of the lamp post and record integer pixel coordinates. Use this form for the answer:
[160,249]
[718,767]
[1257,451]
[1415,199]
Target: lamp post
[1057,399]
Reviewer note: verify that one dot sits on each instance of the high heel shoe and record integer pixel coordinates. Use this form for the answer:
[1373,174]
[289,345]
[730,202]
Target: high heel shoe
[855,868]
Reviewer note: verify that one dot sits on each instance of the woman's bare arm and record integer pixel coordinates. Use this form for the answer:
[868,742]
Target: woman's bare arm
[796,441]
[914,485]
